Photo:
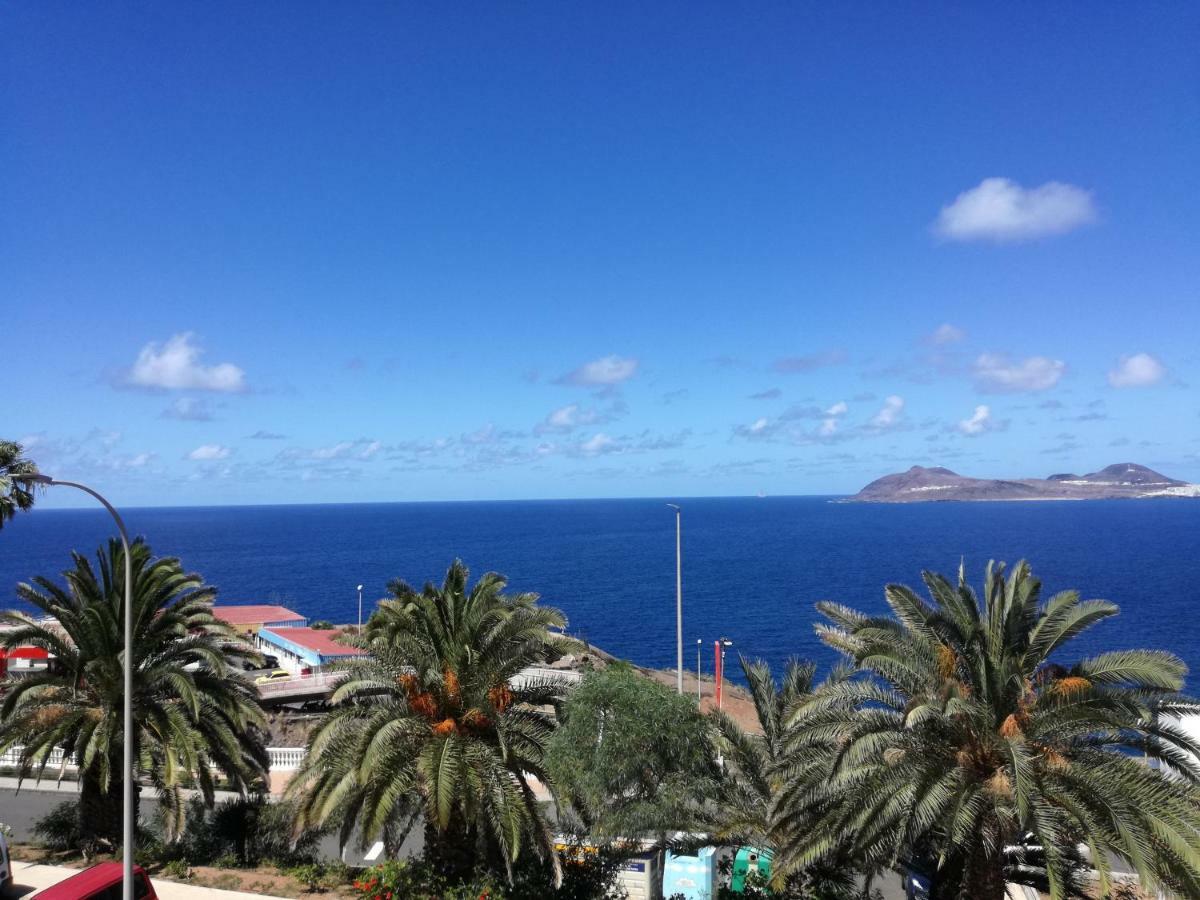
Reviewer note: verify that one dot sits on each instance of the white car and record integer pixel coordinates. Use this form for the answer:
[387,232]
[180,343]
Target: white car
[6,873]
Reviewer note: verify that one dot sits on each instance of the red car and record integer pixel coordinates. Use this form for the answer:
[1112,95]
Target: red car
[102,882]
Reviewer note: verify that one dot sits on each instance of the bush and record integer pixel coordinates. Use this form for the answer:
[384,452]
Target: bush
[59,828]
[586,876]
[415,879]
[320,625]
[312,876]
[242,833]
[177,870]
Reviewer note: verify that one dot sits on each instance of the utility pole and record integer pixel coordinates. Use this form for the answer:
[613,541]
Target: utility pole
[678,597]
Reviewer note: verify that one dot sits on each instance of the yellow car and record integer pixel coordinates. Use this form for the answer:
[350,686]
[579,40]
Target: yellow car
[277,675]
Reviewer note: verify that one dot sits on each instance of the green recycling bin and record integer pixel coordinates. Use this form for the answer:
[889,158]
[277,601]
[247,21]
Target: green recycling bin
[747,860]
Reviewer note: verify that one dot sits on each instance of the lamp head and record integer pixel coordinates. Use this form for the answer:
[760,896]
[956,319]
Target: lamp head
[726,642]
[360,587]
[674,506]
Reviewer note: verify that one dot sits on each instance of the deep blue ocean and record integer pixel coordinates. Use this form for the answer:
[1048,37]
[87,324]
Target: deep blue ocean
[752,568]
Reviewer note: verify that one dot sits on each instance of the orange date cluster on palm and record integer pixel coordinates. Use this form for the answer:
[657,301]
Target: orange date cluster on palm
[447,715]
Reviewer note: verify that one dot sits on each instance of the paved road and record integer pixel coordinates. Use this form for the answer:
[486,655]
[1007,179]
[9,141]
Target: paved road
[22,810]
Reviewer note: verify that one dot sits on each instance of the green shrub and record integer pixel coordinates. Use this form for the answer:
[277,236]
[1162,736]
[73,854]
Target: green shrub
[242,833]
[320,625]
[177,870]
[310,875]
[59,828]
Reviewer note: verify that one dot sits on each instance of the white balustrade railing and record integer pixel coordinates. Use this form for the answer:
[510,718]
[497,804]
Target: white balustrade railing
[285,758]
[281,758]
[320,681]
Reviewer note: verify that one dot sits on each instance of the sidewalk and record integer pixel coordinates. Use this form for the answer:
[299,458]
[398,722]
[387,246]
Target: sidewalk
[30,877]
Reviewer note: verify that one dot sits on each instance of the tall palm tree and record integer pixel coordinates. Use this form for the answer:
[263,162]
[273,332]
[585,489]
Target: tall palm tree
[432,726]
[14,495]
[194,711]
[965,744]
[758,765]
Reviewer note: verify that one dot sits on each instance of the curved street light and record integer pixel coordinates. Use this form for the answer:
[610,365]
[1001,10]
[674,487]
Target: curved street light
[127,749]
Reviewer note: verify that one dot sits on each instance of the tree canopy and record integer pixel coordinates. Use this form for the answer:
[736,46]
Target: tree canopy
[195,713]
[631,756]
[15,494]
[965,748]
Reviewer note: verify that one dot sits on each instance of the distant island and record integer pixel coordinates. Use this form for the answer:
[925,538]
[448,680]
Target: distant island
[1119,481]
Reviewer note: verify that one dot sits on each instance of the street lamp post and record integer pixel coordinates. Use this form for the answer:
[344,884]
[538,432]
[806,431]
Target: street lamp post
[699,642]
[725,644]
[678,597]
[127,760]
[360,607]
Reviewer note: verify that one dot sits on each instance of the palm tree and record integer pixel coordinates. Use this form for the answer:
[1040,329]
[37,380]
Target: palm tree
[193,710]
[14,495]
[963,744]
[758,765]
[433,726]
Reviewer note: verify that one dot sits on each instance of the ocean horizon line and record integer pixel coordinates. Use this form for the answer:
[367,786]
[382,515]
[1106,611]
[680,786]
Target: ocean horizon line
[43,507]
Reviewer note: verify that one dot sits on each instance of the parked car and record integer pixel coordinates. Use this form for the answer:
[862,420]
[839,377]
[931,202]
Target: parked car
[277,675]
[6,873]
[101,882]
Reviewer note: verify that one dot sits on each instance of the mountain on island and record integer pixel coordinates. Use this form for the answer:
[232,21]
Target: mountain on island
[1122,480]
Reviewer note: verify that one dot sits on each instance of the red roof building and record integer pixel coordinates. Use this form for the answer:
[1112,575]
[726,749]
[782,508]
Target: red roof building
[250,617]
[23,661]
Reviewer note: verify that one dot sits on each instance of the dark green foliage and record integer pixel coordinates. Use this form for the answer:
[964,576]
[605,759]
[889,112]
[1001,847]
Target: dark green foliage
[59,828]
[320,625]
[631,756]
[584,877]
[756,768]
[961,736]
[14,494]
[430,729]
[243,833]
[194,710]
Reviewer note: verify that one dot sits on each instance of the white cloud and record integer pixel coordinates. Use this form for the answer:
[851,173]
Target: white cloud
[946,334]
[829,425]
[188,409]
[978,423]
[603,372]
[597,444]
[176,366]
[759,426]
[209,452]
[567,418]
[889,415]
[334,451]
[995,373]
[1136,370]
[998,209]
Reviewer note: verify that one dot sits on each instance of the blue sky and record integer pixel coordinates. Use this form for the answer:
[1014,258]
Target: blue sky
[290,253]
